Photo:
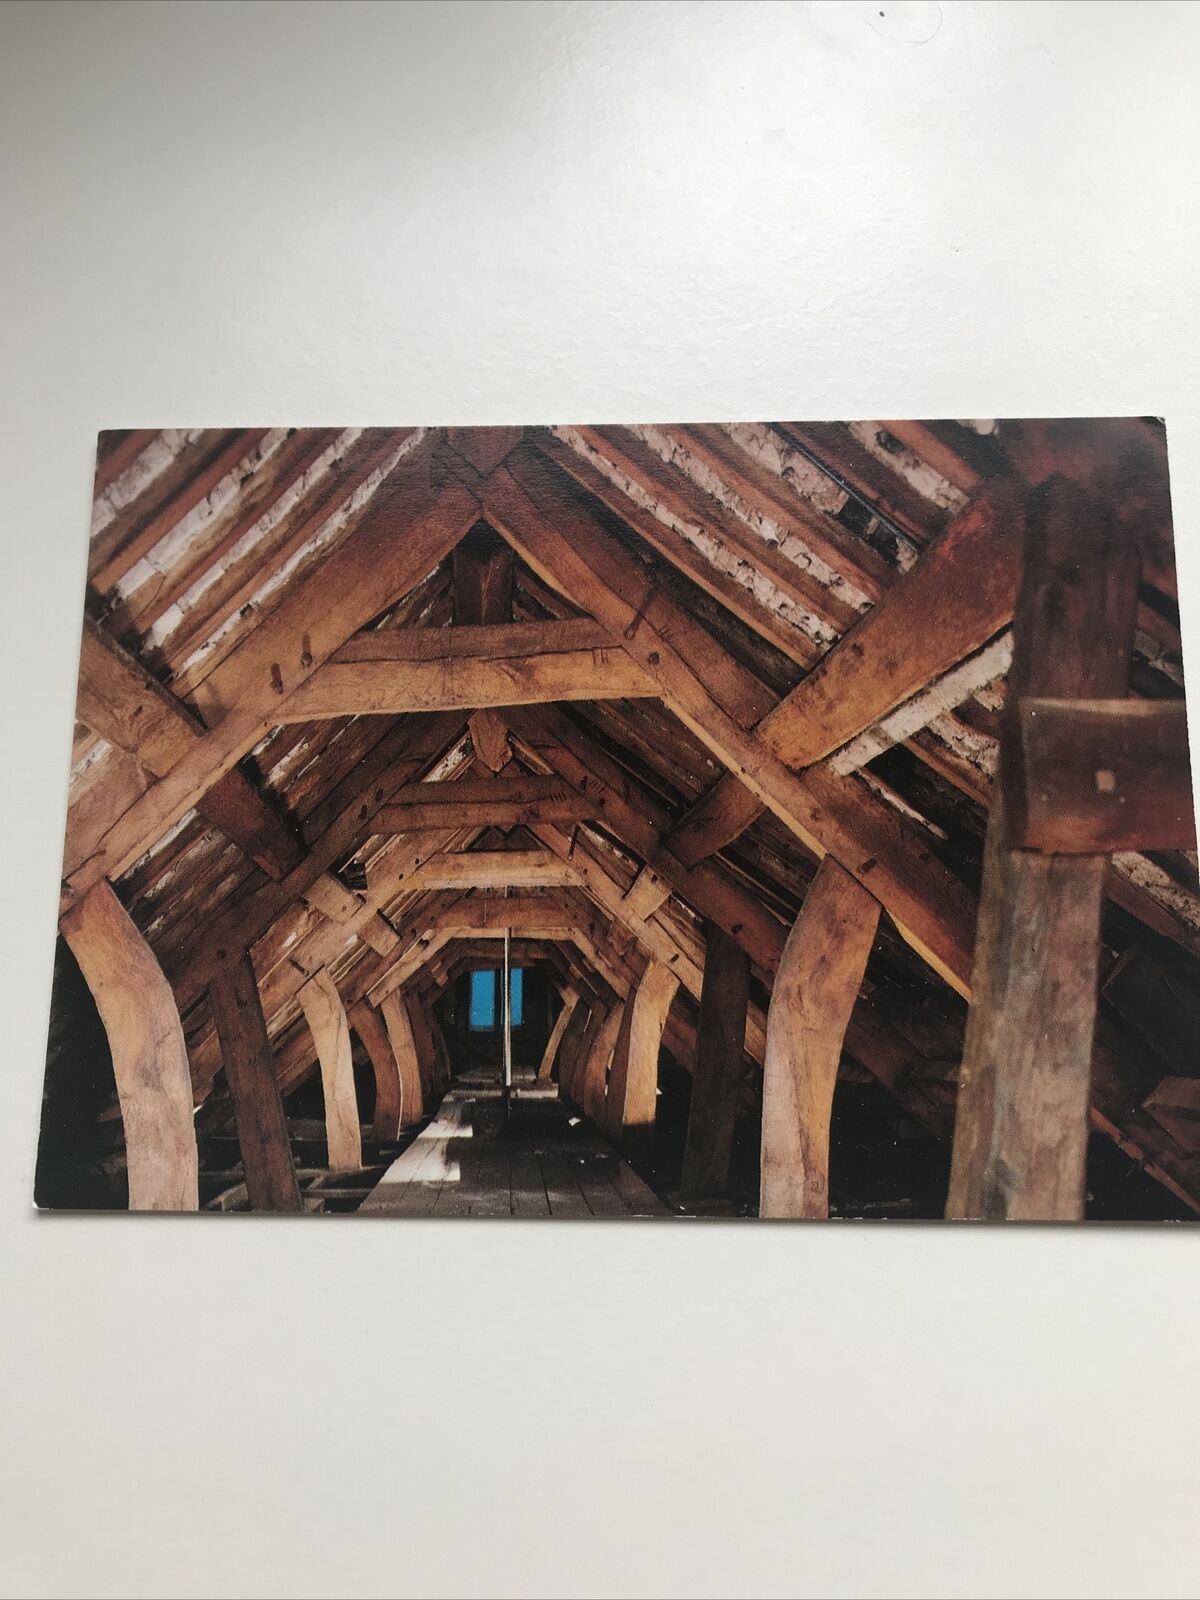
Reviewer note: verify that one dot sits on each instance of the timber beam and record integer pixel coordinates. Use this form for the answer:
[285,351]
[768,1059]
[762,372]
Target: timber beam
[960,593]
[149,1055]
[245,693]
[481,803]
[401,670]
[719,702]
[815,991]
[1097,776]
[1021,1131]
[322,1006]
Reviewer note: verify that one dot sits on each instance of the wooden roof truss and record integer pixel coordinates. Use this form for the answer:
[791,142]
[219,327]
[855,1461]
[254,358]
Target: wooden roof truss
[352,701]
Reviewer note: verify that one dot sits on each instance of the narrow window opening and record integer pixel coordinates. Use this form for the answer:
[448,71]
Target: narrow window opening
[483,999]
[516,995]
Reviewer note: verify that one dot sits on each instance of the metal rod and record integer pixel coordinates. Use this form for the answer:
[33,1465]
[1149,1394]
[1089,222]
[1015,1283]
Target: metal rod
[507,1022]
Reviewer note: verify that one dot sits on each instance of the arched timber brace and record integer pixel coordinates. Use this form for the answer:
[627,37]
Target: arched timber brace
[546,1065]
[369,1027]
[563,596]
[1020,1137]
[149,1056]
[253,1088]
[575,1041]
[571,550]
[595,1066]
[322,1006]
[400,1035]
[427,1060]
[815,990]
[633,1086]
[717,1078]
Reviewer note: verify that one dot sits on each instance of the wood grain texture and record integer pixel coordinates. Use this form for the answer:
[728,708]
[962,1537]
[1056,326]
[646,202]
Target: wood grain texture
[490,738]
[717,1077]
[254,1089]
[699,682]
[482,803]
[491,869]
[574,1042]
[815,989]
[1021,1129]
[580,460]
[165,502]
[638,818]
[960,592]
[341,826]
[369,1026]
[633,1087]
[322,1006]
[394,684]
[550,1053]
[119,699]
[483,582]
[428,1060]
[404,1049]
[592,1082]
[1097,776]
[244,696]
[149,1056]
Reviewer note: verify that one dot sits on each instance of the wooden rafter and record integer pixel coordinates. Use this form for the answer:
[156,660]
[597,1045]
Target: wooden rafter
[551,531]
[369,569]
[846,548]
[958,595]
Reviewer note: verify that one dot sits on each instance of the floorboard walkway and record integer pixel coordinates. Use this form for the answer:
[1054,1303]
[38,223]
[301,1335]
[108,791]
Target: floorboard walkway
[540,1162]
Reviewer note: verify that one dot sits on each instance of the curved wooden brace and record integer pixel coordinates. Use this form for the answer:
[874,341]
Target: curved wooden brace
[573,1048]
[546,1066]
[322,1007]
[592,1077]
[149,1056]
[633,1086]
[369,1027]
[404,1049]
[427,1057]
[815,989]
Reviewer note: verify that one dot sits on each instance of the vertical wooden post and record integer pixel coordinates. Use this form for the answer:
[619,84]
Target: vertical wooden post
[720,1040]
[322,1005]
[149,1056]
[633,1086]
[546,1066]
[254,1089]
[404,1049]
[369,1027]
[816,985]
[483,580]
[1020,1138]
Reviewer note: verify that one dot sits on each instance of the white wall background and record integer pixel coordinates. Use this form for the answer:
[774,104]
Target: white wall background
[249,214]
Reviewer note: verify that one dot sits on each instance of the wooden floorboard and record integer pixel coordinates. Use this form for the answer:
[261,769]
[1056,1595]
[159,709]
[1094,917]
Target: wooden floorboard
[473,1161]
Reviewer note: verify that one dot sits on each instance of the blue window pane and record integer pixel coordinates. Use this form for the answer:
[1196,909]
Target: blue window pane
[516,994]
[483,998]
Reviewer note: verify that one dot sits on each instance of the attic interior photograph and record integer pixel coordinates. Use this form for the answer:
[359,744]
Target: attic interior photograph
[784,820]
